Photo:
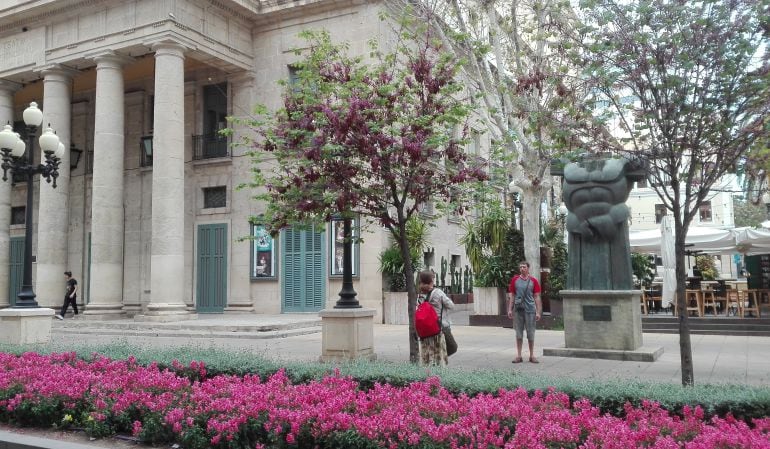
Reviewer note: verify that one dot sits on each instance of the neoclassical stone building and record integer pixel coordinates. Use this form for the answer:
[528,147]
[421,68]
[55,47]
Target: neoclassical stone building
[147,215]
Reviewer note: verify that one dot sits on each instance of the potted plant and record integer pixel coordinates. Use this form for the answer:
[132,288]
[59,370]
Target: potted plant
[392,268]
[494,249]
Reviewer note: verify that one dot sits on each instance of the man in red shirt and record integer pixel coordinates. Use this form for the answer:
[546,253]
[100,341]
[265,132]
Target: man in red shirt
[525,308]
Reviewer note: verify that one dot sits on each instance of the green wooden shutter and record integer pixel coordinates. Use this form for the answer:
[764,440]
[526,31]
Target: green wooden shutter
[303,272]
[292,270]
[212,268]
[316,274]
[16,268]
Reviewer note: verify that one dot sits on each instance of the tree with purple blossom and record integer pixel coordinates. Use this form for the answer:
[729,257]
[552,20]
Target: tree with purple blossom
[375,138]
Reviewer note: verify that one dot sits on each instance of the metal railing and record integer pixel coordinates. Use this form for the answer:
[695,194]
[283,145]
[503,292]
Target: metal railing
[209,146]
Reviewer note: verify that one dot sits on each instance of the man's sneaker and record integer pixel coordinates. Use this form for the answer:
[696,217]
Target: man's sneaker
[59,317]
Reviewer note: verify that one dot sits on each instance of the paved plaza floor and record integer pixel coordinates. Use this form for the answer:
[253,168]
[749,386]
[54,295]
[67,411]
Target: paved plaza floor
[717,359]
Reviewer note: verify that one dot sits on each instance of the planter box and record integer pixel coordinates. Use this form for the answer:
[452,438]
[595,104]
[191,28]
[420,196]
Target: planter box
[395,308]
[488,301]
[461,298]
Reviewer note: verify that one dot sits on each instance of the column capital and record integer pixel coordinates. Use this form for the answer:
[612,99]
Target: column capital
[110,59]
[57,72]
[173,46]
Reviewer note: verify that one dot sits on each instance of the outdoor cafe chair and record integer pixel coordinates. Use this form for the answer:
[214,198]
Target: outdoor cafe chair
[734,299]
[710,299]
[694,302]
[749,303]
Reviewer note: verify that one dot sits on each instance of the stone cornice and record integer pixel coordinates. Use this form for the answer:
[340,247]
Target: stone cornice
[62,7]
[9,86]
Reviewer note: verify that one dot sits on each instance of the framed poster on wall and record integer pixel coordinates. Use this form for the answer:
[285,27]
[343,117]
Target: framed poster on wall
[337,241]
[263,264]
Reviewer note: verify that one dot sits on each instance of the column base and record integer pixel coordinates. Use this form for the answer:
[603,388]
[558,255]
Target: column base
[104,312]
[239,308]
[132,309]
[347,334]
[161,313]
[25,326]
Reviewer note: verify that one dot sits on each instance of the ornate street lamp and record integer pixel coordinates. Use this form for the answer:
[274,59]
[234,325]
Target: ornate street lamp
[347,299]
[13,148]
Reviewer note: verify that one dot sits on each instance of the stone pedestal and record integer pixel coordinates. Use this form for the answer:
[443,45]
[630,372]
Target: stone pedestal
[604,324]
[25,326]
[347,334]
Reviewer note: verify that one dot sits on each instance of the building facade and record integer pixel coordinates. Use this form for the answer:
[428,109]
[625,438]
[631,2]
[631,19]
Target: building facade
[147,214]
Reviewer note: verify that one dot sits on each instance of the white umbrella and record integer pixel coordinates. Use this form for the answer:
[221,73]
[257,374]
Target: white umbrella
[668,254]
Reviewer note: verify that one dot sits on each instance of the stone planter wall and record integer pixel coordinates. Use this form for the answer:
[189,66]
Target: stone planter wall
[395,308]
[488,301]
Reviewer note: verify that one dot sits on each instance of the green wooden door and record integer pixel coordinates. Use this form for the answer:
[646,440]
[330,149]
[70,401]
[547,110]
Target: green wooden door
[16,272]
[303,273]
[212,268]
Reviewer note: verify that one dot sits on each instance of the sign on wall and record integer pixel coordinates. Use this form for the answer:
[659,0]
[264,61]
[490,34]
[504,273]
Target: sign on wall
[262,254]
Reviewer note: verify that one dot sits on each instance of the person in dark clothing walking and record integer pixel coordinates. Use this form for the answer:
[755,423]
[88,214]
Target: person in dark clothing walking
[71,295]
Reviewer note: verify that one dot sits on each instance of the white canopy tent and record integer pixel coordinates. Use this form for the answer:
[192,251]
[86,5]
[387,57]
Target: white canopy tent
[752,241]
[699,239]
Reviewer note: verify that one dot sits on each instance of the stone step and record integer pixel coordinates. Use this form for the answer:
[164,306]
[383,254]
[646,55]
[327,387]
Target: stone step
[709,325]
[204,326]
[187,333]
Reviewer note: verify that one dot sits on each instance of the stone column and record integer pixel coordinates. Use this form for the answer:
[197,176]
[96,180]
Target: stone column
[53,207]
[167,254]
[7,90]
[242,98]
[107,226]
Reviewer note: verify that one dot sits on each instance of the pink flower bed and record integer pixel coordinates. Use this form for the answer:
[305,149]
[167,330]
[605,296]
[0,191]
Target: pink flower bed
[160,404]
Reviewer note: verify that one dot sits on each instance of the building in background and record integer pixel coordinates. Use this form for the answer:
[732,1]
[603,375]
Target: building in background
[147,213]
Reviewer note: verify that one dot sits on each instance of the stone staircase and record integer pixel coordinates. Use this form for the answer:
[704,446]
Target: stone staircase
[206,327]
[759,327]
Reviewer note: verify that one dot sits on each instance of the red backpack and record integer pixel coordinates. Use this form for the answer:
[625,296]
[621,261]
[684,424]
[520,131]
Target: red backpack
[426,322]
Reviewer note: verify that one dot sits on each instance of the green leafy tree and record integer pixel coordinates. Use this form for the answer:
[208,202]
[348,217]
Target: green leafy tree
[553,237]
[532,104]
[749,214]
[494,248]
[687,86]
[643,267]
[376,139]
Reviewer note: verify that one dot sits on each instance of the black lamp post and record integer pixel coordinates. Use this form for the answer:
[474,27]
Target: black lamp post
[348,298]
[13,148]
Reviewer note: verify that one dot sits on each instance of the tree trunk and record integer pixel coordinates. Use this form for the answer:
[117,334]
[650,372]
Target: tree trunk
[411,289]
[531,229]
[685,345]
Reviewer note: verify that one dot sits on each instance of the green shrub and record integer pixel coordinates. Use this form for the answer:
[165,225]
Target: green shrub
[744,402]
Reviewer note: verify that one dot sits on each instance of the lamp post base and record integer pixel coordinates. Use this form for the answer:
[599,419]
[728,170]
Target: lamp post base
[25,326]
[347,334]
